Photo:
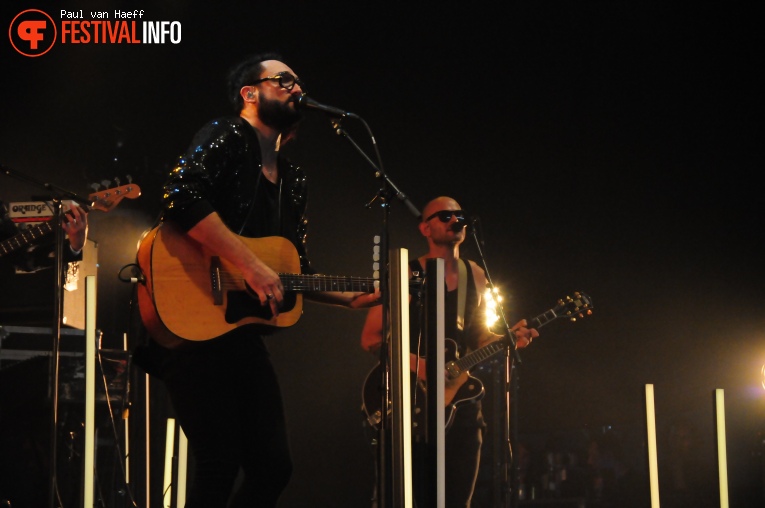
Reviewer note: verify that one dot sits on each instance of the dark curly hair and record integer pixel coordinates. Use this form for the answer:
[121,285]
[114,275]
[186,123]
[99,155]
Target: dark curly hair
[244,73]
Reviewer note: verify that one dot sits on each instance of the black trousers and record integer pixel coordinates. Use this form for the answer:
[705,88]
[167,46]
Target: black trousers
[228,402]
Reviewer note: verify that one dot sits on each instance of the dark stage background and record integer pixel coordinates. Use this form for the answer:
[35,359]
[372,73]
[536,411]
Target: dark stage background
[610,148]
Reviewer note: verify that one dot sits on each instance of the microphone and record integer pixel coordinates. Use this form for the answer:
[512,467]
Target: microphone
[305,102]
[471,223]
[458,225]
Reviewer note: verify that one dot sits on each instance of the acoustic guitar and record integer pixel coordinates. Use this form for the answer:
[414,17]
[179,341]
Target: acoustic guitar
[190,294]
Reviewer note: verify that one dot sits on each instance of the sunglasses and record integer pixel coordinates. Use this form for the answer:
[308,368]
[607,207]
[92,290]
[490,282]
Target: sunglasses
[446,215]
[286,80]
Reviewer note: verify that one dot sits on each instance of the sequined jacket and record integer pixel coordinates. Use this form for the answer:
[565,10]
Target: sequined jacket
[221,171]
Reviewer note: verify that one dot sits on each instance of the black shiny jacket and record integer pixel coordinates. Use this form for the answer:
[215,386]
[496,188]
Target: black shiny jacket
[220,172]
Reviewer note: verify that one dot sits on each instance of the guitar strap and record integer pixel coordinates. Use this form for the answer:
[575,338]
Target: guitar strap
[461,294]
[461,289]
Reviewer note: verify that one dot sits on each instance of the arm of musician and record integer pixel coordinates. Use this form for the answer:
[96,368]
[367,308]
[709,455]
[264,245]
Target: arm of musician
[217,238]
[371,333]
[371,340]
[348,299]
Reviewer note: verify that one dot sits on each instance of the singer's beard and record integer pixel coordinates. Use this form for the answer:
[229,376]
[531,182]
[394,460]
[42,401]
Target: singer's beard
[279,115]
[449,238]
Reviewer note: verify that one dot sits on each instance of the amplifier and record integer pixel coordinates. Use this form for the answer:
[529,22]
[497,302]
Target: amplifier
[26,299]
[33,211]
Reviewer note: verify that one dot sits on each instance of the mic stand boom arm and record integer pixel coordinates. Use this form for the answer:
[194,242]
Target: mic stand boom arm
[61,193]
[388,186]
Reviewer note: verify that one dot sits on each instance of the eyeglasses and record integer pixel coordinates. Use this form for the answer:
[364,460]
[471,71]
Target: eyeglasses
[286,80]
[446,215]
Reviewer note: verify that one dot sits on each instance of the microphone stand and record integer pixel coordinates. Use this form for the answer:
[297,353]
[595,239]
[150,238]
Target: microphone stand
[387,190]
[53,370]
[510,375]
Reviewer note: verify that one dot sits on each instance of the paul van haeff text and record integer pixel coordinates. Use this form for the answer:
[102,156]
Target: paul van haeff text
[118,14]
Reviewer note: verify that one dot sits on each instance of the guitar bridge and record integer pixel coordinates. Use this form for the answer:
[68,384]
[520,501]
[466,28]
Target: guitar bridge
[215,280]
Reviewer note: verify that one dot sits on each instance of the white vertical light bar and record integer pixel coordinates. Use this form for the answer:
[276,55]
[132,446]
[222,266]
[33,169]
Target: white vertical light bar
[653,469]
[722,452]
[167,484]
[147,424]
[401,395]
[126,423]
[90,391]
[183,456]
[440,385]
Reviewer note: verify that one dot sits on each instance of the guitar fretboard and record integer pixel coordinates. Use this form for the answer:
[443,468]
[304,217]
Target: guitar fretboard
[25,238]
[302,282]
[479,355]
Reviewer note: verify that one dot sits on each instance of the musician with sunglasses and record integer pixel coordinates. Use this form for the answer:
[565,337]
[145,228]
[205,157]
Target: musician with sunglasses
[233,184]
[443,226]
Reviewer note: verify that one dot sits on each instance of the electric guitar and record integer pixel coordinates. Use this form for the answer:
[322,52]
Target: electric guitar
[460,387]
[104,201]
[190,294]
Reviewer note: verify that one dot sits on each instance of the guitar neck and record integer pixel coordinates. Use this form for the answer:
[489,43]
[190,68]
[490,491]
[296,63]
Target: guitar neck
[472,359]
[25,238]
[468,361]
[302,282]
[543,319]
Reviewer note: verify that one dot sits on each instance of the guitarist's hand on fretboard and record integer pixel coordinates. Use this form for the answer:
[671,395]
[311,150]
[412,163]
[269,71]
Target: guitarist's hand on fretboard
[523,336]
[75,224]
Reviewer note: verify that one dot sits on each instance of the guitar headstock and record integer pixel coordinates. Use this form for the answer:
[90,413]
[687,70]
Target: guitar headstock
[106,200]
[576,307]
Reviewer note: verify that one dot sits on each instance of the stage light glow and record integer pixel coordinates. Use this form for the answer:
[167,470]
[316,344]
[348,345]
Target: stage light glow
[492,299]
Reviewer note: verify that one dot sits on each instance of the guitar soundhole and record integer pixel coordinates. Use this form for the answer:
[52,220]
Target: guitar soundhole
[241,305]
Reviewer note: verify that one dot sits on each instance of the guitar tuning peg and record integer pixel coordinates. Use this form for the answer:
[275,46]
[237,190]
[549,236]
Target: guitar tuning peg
[95,186]
[105,183]
[129,178]
[117,181]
